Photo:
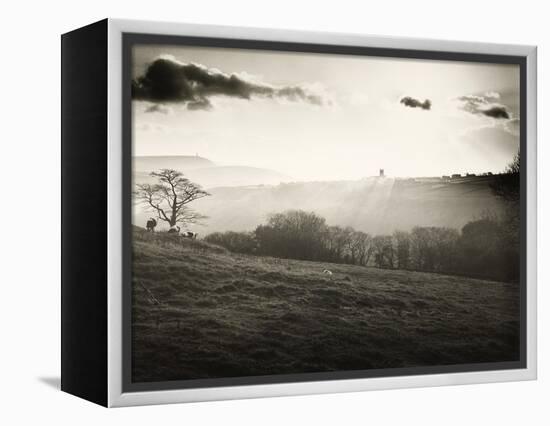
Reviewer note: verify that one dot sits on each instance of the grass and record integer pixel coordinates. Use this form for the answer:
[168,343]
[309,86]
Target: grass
[202,312]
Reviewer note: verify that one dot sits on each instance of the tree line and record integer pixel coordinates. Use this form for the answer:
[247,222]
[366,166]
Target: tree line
[482,248]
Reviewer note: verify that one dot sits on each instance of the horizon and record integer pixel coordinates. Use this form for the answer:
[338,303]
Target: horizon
[375,175]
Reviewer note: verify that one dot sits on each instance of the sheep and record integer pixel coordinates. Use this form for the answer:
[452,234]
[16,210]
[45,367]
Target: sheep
[189,234]
[174,230]
[151,224]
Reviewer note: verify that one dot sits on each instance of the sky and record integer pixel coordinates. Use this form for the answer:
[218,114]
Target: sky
[324,117]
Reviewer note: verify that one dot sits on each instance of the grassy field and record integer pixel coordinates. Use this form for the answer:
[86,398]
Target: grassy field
[202,312]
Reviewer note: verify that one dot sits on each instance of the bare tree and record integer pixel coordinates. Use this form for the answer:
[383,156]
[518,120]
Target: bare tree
[402,243]
[361,248]
[383,251]
[350,244]
[507,185]
[169,198]
[335,242]
[293,234]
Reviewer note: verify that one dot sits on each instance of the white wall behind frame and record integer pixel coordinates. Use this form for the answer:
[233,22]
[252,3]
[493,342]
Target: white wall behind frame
[30,273]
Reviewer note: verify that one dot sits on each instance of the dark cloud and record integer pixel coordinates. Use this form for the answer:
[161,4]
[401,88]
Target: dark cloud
[169,81]
[496,112]
[486,105]
[415,103]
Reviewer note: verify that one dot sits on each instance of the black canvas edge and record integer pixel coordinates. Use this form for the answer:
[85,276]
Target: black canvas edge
[84,76]
[131,39]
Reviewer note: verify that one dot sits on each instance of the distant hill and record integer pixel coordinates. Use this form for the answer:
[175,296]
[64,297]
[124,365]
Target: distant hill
[206,172]
[236,176]
[177,162]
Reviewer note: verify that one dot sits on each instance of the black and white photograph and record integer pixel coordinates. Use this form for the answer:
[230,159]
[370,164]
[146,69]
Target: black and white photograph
[302,213]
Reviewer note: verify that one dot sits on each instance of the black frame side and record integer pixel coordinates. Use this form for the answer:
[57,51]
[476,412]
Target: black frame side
[129,40]
[84,212]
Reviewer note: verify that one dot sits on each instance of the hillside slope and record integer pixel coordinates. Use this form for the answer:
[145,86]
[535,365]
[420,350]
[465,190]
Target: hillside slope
[373,205]
[201,312]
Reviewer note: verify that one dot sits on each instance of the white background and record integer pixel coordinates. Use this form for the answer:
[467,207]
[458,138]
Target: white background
[30,211]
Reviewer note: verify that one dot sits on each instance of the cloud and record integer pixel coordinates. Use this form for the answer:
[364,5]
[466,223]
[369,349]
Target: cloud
[485,105]
[491,111]
[163,109]
[167,80]
[497,111]
[200,104]
[415,103]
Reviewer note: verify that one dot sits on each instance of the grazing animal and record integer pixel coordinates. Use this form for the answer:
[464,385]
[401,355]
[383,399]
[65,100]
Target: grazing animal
[327,272]
[174,230]
[151,224]
[189,234]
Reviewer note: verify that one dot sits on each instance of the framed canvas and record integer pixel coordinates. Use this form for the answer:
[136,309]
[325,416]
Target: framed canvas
[252,213]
